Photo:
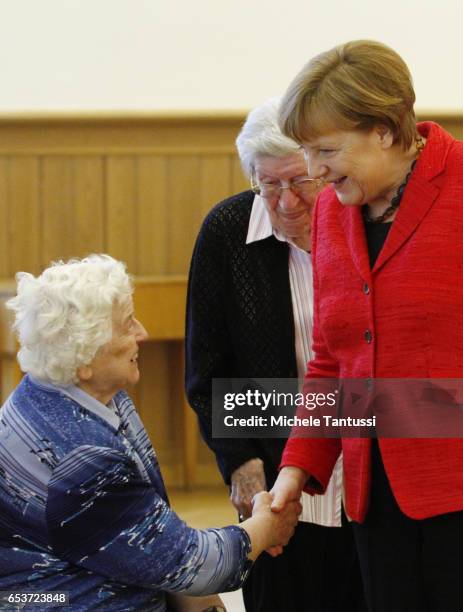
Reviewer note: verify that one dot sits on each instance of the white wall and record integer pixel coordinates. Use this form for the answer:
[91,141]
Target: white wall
[209,54]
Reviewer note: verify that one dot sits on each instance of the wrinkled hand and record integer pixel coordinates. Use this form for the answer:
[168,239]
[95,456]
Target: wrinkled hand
[246,481]
[283,523]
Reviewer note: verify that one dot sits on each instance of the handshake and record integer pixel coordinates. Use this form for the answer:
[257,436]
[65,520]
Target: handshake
[270,530]
[272,516]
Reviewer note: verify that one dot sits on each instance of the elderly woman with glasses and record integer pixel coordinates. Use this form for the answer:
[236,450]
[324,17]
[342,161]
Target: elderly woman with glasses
[388,257]
[83,508]
[249,315]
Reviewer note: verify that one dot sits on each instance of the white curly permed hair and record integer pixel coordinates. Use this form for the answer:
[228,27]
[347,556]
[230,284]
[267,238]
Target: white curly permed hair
[63,316]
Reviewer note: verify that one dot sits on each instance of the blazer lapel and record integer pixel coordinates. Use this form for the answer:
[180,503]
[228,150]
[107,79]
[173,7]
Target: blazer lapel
[352,222]
[418,198]
[421,191]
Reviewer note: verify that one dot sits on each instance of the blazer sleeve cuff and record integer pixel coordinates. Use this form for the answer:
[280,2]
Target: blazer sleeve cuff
[317,457]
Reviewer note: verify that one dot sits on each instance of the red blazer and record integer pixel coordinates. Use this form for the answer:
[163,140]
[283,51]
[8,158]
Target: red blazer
[413,308]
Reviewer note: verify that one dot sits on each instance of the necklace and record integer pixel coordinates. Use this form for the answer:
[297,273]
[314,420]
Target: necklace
[398,196]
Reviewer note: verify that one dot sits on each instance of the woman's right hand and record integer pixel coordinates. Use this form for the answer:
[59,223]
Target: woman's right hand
[268,529]
[288,487]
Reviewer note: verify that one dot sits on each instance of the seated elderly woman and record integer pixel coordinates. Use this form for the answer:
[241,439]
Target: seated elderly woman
[83,508]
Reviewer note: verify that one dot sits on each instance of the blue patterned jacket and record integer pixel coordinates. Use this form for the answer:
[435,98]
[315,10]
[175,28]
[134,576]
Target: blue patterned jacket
[83,508]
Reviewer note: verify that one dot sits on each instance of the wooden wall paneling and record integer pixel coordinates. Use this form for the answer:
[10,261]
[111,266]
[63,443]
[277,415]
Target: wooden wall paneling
[160,305]
[451,122]
[150,394]
[215,181]
[174,414]
[121,133]
[455,127]
[239,181]
[205,455]
[152,248]
[5,270]
[160,409]
[24,214]
[183,206]
[121,209]
[87,227]
[56,209]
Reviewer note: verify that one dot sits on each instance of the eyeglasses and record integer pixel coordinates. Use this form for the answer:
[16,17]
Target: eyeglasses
[302,187]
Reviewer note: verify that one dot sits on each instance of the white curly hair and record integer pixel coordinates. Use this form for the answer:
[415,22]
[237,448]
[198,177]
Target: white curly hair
[63,316]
